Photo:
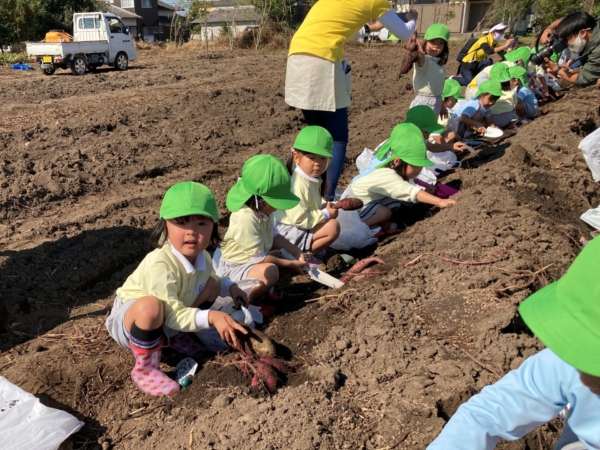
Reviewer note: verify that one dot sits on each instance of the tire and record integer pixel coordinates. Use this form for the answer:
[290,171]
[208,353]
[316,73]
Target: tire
[78,66]
[121,61]
[48,71]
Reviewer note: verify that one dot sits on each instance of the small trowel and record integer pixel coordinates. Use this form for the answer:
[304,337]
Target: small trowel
[315,274]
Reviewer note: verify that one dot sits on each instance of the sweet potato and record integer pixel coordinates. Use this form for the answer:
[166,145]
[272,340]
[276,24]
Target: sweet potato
[279,364]
[265,374]
[359,267]
[256,343]
[349,204]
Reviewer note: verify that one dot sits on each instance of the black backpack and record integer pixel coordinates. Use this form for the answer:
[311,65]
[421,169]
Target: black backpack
[465,50]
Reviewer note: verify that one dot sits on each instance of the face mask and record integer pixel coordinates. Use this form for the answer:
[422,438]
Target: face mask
[578,45]
[499,37]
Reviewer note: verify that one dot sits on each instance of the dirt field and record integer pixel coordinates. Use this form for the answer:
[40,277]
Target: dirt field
[85,161]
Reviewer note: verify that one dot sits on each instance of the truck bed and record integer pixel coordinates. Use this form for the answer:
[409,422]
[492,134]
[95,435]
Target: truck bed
[66,48]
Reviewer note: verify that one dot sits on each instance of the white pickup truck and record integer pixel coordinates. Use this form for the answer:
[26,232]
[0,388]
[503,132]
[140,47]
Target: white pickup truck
[99,38]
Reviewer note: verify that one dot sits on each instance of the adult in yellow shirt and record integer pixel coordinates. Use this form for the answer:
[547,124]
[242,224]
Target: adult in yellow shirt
[318,79]
[478,56]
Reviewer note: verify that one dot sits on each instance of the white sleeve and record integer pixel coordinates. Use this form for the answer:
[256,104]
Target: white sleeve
[397,27]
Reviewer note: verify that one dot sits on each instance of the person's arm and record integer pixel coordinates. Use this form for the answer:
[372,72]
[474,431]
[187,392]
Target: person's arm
[519,402]
[439,148]
[279,242]
[425,197]
[548,31]
[397,27]
[479,126]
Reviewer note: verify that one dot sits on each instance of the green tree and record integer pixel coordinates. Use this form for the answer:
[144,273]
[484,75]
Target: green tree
[548,11]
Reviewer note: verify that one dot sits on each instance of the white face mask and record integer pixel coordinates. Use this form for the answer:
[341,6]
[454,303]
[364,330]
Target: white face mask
[578,45]
[498,36]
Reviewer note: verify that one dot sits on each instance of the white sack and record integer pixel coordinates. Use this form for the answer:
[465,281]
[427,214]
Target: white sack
[590,146]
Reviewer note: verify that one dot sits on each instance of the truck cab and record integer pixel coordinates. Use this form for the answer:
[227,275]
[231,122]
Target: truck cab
[99,38]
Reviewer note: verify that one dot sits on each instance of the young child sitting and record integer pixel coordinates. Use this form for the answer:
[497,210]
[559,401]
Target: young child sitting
[564,316]
[386,187]
[484,75]
[307,225]
[504,111]
[425,119]
[248,249]
[161,298]
[475,115]
[528,107]
[451,96]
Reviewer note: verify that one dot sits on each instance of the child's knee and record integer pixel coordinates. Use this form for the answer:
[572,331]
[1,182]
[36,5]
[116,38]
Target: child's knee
[271,273]
[148,308]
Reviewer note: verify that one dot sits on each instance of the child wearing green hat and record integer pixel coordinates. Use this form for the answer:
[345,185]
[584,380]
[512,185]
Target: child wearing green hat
[426,121]
[450,97]
[504,111]
[485,75]
[564,316]
[475,114]
[309,226]
[161,298]
[429,70]
[527,107]
[388,186]
[248,249]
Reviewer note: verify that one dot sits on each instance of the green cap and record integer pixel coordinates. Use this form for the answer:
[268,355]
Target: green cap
[188,199]
[519,53]
[406,143]
[314,139]
[452,88]
[424,118]
[565,314]
[437,31]
[518,72]
[264,176]
[499,71]
[490,87]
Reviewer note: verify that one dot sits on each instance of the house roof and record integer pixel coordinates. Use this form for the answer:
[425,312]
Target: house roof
[246,14]
[165,5]
[228,3]
[123,14]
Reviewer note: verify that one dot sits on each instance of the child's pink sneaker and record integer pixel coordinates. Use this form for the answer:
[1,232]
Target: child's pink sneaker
[184,344]
[147,374]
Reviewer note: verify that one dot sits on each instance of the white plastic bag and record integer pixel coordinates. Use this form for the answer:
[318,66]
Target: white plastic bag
[353,232]
[592,217]
[26,424]
[443,161]
[364,159]
[590,146]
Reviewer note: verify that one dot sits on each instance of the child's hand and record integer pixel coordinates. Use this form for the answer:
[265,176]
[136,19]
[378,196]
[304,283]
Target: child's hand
[446,202]
[333,213]
[494,126]
[481,129]
[459,147]
[444,112]
[226,327]
[238,296]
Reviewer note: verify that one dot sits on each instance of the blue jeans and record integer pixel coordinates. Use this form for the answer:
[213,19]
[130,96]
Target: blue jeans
[336,122]
[467,75]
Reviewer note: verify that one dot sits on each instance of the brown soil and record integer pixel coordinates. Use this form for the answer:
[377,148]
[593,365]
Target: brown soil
[85,161]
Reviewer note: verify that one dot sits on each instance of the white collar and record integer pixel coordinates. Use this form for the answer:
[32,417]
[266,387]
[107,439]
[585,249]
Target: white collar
[300,172]
[199,263]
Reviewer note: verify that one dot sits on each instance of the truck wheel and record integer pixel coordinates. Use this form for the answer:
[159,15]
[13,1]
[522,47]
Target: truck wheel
[49,71]
[121,61]
[78,66]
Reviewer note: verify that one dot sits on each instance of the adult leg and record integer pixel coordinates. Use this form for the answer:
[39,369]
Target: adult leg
[483,64]
[466,75]
[337,124]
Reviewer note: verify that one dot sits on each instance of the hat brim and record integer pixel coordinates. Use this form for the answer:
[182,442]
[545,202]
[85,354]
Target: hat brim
[412,162]
[434,128]
[570,338]
[495,93]
[283,204]
[237,196]
[314,150]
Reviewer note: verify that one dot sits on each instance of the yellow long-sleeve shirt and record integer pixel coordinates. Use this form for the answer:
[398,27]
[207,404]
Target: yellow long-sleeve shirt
[307,214]
[384,183]
[176,282]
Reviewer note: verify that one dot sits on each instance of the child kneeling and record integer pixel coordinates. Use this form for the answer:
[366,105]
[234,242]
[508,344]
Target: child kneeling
[161,298]
[387,187]
[475,114]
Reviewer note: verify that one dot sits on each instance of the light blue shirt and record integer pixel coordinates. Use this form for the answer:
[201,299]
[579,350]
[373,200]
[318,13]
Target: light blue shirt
[527,96]
[521,401]
[470,108]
